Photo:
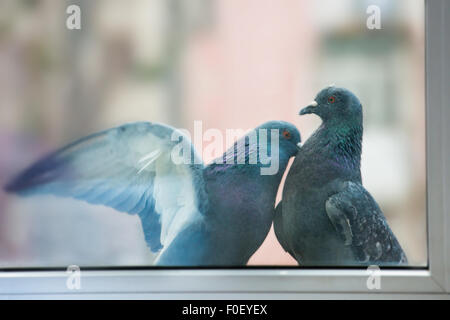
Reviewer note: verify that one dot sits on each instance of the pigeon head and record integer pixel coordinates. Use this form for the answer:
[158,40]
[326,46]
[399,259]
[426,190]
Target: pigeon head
[288,136]
[336,105]
[268,148]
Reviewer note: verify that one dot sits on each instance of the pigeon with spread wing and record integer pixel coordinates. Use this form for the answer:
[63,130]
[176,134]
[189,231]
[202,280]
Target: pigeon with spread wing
[192,214]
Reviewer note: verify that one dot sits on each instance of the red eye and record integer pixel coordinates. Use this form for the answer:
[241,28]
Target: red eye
[331,99]
[286,134]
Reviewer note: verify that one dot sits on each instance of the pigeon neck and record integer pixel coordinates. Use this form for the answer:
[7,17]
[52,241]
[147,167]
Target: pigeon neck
[344,141]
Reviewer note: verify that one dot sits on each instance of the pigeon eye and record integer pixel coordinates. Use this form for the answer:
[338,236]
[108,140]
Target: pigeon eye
[286,134]
[331,99]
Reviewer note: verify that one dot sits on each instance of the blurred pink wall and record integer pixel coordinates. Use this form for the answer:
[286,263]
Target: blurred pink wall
[246,68]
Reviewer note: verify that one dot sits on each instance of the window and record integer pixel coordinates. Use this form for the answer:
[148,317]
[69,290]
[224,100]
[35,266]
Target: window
[226,66]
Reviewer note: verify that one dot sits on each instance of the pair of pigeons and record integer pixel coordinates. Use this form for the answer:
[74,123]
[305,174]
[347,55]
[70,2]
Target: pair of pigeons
[219,214]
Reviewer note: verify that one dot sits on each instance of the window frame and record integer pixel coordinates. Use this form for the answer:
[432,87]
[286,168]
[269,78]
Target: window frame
[288,282]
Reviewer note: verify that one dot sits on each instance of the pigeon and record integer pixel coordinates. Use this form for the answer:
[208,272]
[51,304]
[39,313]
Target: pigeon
[192,214]
[326,216]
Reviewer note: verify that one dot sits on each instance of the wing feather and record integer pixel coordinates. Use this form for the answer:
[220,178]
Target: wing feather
[358,219]
[128,168]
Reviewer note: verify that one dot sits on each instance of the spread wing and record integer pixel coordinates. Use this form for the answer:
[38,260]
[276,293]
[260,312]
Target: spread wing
[361,225]
[130,169]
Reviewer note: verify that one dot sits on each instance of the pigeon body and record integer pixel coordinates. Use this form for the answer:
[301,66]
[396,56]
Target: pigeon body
[192,214]
[326,217]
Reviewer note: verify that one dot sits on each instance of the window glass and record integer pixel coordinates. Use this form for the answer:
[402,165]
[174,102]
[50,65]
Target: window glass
[208,67]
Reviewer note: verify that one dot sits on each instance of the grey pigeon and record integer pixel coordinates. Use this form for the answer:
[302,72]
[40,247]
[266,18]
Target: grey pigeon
[326,217]
[192,214]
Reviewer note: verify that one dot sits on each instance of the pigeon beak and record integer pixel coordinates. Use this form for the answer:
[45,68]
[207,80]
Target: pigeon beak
[309,108]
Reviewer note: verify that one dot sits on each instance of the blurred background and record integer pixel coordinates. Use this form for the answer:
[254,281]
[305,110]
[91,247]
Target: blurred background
[229,63]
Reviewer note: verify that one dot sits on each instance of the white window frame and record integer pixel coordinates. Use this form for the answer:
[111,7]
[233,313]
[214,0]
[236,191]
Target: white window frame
[297,283]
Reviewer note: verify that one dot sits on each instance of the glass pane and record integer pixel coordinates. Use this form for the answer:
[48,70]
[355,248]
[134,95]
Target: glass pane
[210,67]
